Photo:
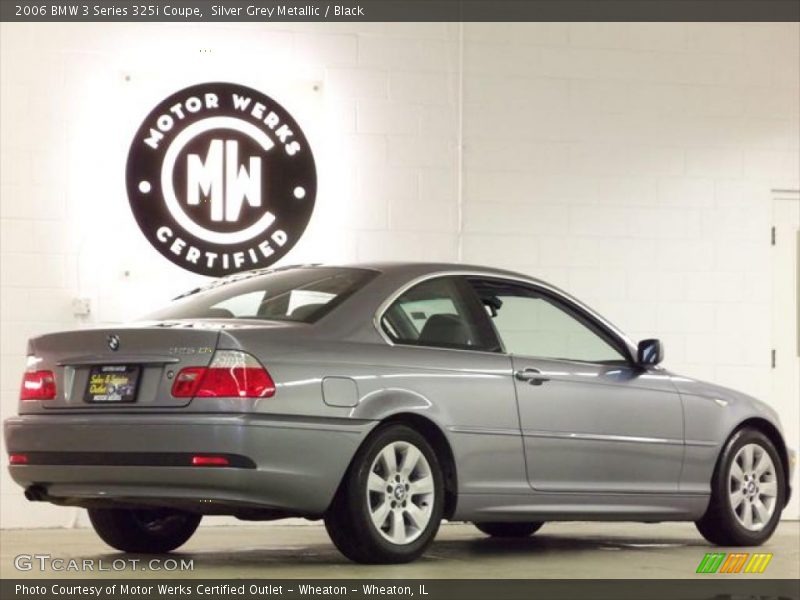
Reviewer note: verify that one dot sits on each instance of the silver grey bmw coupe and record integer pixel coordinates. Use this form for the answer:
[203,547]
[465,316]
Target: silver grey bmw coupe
[383,398]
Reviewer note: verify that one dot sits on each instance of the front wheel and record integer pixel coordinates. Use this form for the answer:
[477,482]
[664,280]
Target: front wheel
[391,500]
[748,492]
[508,530]
[147,531]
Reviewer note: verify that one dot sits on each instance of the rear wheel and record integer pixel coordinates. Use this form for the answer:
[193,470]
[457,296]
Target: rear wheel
[149,531]
[391,500]
[747,492]
[508,530]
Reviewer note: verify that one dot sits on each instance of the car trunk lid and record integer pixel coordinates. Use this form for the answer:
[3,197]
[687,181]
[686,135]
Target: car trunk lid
[136,364]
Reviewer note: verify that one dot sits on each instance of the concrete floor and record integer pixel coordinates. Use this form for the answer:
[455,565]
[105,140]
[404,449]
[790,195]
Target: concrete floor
[559,550]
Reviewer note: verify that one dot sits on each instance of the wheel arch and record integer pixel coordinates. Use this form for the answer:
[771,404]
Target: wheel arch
[441,446]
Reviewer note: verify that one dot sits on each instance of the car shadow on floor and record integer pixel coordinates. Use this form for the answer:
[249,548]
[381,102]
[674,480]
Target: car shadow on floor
[458,550]
[555,546]
[558,544]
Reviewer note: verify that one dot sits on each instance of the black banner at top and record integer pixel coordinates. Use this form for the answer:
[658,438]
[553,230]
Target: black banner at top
[255,11]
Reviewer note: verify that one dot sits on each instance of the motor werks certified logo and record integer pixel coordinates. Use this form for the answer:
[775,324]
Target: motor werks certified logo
[221,179]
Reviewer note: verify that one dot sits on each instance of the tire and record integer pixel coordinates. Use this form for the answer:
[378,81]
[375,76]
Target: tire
[146,531]
[508,530]
[395,534]
[748,491]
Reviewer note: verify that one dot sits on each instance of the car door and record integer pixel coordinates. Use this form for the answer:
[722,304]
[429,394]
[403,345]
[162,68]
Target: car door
[445,351]
[591,420]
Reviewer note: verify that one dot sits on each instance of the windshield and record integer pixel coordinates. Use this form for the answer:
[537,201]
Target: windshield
[301,294]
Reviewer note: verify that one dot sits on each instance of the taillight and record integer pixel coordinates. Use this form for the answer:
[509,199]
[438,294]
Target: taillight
[231,374]
[38,385]
[18,459]
[187,382]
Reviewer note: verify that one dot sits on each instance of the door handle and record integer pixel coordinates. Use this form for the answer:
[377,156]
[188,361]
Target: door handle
[532,376]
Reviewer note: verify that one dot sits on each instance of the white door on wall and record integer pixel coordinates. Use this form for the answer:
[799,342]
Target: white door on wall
[786,323]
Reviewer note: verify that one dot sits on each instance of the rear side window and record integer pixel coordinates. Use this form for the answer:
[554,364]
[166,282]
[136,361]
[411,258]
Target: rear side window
[442,313]
[301,294]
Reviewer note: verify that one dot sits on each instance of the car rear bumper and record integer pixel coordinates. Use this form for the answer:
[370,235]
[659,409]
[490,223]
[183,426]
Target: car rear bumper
[285,464]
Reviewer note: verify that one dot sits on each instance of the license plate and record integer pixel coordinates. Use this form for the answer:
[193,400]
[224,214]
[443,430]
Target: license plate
[113,383]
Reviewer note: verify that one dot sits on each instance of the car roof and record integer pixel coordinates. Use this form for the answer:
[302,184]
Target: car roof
[394,269]
[411,268]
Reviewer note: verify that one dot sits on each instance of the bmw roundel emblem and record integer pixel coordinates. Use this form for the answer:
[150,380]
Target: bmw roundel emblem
[113,342]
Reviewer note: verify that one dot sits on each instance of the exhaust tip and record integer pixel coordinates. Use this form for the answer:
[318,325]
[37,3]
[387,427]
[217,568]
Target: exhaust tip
[35,493]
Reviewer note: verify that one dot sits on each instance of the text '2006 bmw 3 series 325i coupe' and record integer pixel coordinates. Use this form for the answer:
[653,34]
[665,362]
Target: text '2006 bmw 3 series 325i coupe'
[383,398]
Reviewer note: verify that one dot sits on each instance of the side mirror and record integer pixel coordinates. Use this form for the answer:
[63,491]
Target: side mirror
[649,353]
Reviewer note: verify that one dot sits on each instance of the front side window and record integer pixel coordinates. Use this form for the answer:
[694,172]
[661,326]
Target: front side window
[531,323]
[440,313]
[298,294]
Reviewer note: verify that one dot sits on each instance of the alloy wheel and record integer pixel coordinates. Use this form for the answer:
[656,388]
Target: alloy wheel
[400,492]
[752,487]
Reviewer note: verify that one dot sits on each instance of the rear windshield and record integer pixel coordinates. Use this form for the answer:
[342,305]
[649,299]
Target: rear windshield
[299,294]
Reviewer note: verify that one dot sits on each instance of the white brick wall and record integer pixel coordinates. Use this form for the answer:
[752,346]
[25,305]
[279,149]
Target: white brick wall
[642,154]
[628,163]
